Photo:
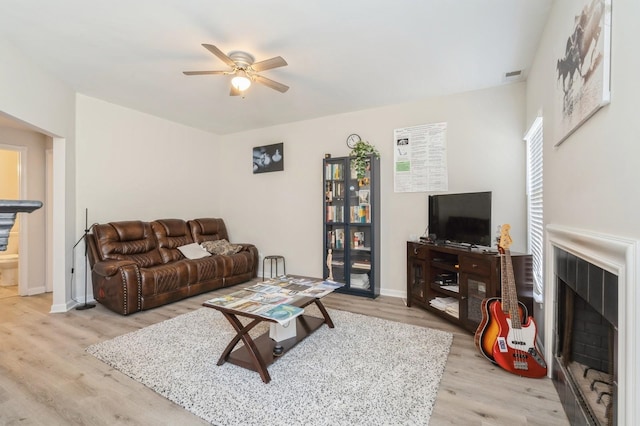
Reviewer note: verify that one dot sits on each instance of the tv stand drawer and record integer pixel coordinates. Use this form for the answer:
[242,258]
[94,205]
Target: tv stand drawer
[475,265]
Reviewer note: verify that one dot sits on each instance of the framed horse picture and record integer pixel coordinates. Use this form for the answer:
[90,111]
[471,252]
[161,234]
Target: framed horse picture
[583,65]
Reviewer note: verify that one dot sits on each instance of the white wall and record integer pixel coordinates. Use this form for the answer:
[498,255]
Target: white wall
[281,212]
[590,180]
[134,166]
[47,105]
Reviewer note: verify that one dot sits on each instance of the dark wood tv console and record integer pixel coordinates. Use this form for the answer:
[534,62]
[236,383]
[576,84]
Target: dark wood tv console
[452,282]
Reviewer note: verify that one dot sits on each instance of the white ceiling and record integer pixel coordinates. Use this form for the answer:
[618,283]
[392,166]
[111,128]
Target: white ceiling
[343,55]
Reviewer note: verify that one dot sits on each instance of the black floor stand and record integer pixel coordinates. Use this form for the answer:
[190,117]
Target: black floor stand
[84,238]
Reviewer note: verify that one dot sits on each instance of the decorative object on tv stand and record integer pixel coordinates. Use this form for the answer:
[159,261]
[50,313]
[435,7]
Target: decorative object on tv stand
[360,156]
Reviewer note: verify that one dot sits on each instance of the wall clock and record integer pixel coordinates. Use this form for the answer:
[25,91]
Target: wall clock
[352,140]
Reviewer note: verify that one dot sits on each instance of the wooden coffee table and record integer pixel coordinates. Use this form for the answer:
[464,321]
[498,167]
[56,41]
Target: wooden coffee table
[257,354]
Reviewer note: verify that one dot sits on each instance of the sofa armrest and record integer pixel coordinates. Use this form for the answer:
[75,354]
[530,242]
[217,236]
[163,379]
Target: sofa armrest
[117,284]
[251,248]
[109,268]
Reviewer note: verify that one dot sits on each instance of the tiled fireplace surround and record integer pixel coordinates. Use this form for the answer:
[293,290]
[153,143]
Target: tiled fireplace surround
[617,256]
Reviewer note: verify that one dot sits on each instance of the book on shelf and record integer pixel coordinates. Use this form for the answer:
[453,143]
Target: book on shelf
[449,305]
[360,213]
[335,214]
[365,213]
[361,265]
[339,234]
[363,196]
[358,239]
[334,191]
[338,190]
[333,171]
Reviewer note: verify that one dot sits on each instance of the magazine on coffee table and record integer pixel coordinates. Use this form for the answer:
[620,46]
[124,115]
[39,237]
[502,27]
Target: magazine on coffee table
[270,298]
[273,298]
[227,300]
[320,289]
[264,288]
[282,313]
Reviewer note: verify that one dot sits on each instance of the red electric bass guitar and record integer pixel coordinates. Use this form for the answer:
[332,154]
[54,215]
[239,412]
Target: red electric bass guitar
[507,335]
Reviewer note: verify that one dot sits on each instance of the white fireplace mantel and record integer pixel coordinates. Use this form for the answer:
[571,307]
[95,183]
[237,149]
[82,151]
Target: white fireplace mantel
[620,257]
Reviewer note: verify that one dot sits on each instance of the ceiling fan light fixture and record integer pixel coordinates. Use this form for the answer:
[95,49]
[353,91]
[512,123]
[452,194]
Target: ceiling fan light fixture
[241,81]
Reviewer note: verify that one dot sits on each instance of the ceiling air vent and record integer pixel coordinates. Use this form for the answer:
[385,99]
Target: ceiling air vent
[513,76]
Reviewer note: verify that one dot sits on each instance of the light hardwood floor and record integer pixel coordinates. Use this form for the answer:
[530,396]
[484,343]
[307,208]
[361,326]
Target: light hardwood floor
[46,377]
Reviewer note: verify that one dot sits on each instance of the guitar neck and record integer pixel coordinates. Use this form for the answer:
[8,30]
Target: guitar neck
[509,293]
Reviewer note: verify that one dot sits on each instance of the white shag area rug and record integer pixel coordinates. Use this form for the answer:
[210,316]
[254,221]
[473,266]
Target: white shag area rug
[366,370]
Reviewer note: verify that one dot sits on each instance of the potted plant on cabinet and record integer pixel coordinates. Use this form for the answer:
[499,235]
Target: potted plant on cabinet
[360,153]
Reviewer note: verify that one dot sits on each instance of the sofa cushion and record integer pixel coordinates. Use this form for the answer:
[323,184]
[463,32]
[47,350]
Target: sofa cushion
[164,278]
[208,229]
[222,247]
[171,234]
[193,251]
[128,240]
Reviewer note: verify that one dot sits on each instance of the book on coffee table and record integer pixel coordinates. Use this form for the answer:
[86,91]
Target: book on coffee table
[282,313]
[223,300]
[270,298]
[320,289]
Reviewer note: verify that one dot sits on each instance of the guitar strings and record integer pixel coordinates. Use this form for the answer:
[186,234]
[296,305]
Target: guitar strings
[520,356]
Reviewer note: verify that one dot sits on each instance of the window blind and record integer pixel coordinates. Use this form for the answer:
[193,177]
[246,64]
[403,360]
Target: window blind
[535,230]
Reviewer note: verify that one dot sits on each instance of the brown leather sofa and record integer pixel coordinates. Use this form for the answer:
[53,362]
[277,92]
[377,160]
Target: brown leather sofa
[137,265]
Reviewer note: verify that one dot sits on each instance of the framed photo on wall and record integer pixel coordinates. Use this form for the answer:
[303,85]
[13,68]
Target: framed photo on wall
[268,158]
[582,65]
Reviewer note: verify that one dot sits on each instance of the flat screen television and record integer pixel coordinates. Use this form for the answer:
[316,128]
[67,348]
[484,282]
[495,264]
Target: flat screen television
[461,218]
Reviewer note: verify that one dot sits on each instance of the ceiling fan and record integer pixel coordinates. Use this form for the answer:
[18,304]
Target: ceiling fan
[244,70]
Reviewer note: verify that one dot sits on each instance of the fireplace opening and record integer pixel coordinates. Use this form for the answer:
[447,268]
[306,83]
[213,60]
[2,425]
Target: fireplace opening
[585,341]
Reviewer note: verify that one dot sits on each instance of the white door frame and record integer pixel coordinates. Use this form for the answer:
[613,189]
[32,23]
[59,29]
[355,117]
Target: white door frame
[23,271]
[48,283]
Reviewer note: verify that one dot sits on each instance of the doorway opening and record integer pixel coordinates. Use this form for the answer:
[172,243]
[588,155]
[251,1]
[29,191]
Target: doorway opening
[10,190]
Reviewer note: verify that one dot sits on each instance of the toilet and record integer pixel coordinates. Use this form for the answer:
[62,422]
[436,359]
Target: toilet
[9,262]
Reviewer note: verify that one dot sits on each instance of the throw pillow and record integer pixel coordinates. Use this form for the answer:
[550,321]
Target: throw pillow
[193,251]
[222,247]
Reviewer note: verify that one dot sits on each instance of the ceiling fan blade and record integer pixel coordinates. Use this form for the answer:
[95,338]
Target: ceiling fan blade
[204,72]
[234,92]
[268,64]
[220,54]
[270,83]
